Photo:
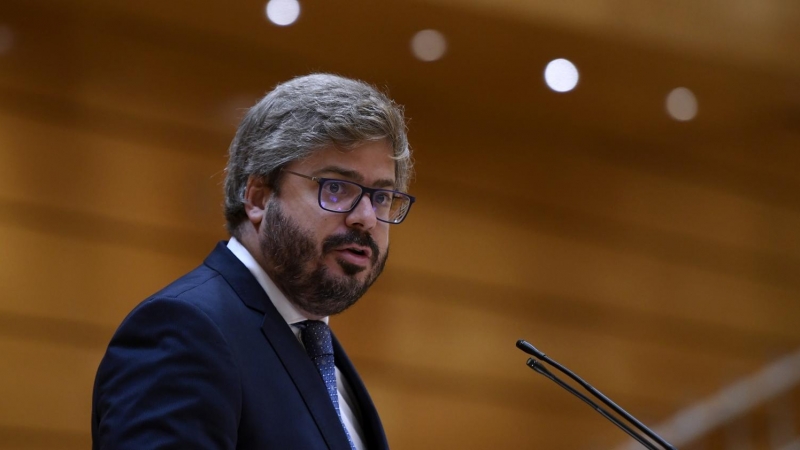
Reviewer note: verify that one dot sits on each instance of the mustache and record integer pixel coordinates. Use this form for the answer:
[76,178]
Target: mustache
[352,237]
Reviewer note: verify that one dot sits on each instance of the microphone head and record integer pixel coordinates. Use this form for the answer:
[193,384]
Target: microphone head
[526,347]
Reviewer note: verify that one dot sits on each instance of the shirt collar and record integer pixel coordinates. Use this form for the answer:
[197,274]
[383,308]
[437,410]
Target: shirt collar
[287,310]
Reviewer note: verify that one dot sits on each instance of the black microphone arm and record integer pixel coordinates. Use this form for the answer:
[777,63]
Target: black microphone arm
[540,369]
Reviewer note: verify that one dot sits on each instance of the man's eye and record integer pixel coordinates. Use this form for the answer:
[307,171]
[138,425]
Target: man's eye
[382,198]
[335,188]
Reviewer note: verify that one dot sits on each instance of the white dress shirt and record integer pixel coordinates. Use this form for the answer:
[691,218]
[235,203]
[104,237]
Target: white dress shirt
[292,315]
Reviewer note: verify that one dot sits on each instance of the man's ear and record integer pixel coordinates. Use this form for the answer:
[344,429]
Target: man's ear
[256,196]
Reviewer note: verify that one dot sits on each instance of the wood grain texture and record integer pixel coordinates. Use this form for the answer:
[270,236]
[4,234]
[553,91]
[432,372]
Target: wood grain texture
[659,260]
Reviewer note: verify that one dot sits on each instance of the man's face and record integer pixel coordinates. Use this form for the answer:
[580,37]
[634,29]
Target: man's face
[324,261]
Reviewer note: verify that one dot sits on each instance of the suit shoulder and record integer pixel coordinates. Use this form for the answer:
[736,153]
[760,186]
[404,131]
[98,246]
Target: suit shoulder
[197,278]
[168,375]
[203,287]
[204,290]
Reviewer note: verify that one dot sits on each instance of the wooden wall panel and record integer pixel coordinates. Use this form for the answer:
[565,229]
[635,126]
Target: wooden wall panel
[48,385]
[484,249]
[121,64]
[71,169]
[52,275]
[619,191]
[478,342]
[660,260]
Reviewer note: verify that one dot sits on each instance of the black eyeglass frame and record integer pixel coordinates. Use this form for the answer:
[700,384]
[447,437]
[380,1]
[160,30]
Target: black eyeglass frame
[364,190]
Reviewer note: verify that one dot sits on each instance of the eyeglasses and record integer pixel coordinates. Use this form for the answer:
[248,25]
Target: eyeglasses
[342,196]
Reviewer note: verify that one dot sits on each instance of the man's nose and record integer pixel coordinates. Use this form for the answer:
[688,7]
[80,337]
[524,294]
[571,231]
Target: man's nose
[363,215]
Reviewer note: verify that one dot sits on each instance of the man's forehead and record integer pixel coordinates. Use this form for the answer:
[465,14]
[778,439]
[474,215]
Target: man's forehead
[354,175]
[370,163]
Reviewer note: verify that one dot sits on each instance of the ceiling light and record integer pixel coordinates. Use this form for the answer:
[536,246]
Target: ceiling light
[283,12]
[428,45]
[561,75]
[682,104]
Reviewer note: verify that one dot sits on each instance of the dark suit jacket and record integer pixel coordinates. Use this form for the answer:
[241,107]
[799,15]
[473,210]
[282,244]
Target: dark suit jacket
[209,363]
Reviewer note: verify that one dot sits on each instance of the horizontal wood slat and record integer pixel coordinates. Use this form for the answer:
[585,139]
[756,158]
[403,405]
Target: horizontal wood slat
[40,438]
[81,278]
[46,386]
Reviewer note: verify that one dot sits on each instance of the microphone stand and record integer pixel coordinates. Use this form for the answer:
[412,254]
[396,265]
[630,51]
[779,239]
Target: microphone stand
[542,370]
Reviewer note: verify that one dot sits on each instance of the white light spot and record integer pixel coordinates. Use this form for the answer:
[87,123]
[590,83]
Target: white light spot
[561,75]
[428,45]
[283,12]
[682,104]
[6,39]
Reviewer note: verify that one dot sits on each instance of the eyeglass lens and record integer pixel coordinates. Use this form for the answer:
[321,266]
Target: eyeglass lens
[340,196]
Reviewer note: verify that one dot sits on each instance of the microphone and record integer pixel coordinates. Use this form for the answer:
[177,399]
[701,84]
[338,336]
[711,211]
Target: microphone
[526,347]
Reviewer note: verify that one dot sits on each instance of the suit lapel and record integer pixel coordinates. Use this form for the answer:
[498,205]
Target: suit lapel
[289,350]
[370,421]
[306,377]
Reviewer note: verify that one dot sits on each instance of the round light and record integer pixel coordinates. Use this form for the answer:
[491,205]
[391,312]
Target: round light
[283,12]
[561,75]
[6,39]
[682,104]
[428,45]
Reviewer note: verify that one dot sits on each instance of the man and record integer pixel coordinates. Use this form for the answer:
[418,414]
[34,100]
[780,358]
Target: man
[237,354]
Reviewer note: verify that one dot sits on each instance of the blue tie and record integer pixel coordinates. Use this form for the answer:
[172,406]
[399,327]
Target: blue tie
[316,337]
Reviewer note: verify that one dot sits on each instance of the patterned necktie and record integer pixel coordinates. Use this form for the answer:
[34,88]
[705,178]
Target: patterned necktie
[316,337]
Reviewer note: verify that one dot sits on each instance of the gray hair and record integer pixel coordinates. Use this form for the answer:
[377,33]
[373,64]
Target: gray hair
[301,116]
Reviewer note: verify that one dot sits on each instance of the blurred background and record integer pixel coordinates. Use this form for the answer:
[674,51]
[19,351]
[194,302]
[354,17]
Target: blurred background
[633,211]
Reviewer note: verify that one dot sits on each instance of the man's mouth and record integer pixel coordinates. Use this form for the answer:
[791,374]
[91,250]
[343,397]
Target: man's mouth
[360,251]
[357,250]
[359,256]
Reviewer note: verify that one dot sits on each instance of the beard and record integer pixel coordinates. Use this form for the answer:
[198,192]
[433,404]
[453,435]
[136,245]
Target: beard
[295,265]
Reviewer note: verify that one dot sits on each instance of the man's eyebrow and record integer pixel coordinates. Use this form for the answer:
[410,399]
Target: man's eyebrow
[354,176]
